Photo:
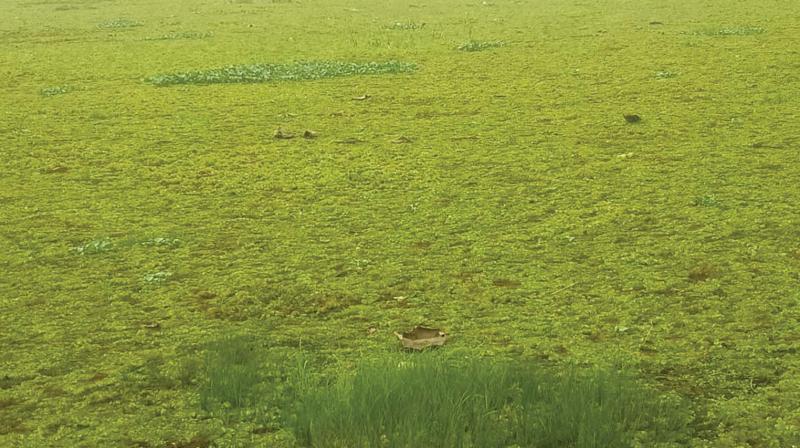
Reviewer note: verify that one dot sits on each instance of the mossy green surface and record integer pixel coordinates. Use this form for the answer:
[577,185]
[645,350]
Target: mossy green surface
[499,195]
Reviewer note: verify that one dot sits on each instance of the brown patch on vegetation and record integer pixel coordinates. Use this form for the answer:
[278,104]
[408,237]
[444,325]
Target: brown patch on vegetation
[702,272]
[561,349]
[468,276]
[51,391]
[137,444]
[421,245]
[10,425]
[196,442]
[203,294]
[594,335]
[334,302]
[506,283]
[647,348]
[99,376]
[7,382]
[8,402]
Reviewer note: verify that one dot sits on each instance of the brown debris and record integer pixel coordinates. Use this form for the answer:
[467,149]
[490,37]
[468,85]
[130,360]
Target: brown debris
[422,337]
[280,134]
[402,139]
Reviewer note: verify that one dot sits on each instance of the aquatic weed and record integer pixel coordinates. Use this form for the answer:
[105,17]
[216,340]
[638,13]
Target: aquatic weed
[406,26]
[94,247]
[57,90]
[119,23]
[161,241]
[297,71]
[706,201]
[182,35]
[157,277]
[474,45]
[736,31]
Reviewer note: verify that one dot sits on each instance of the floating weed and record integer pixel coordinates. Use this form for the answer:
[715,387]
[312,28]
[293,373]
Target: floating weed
[738,31]
[159,241]
[119,23]
[665,74]
[94,247]
[182,35]
[405,26]
[297,71]
[706,201]
[57,90]
[474,45]
[157,277]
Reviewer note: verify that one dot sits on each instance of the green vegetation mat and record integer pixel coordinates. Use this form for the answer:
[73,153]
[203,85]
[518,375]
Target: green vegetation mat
[558,185]
[298,71]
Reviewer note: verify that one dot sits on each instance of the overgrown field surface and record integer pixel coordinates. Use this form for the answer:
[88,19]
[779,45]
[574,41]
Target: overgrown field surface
[494,190]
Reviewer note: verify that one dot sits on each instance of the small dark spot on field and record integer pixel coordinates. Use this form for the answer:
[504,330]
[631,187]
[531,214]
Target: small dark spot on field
[647,348]
[99,376]
[54,169]
[702,272]
[8,402]
[53,428]
[334,302]
[203,294]
[561,349]
[52,391]
[137,444]
[421,245]
[11,425]
[341,270]
[467,276]
[8,382]
[506,283]
[594,335]
[195,442]
[56,370]
[115,398]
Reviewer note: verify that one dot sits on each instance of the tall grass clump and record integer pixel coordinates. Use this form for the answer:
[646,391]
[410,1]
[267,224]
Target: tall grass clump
[231,374]
[297,71]
[432,401]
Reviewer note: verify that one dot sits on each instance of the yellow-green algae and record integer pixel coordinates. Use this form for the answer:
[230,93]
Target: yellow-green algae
[497,194]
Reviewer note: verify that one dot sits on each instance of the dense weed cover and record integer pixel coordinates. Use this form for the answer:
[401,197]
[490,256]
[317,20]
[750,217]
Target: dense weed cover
[617,180]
